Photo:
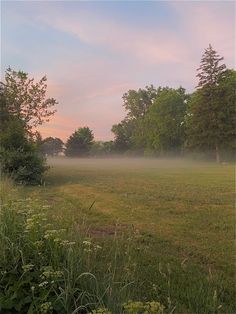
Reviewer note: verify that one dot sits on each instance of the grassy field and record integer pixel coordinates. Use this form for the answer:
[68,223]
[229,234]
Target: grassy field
[171,222]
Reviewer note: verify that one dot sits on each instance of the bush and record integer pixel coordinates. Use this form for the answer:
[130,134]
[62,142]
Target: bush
[19,155]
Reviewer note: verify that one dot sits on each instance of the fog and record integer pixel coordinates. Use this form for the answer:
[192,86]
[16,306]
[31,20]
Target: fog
[117,163]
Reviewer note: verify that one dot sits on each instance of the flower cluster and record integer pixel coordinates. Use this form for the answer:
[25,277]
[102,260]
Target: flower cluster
[89,246]
[45,307]
[139,307]
[51,234]
[27,267]
[34,221]
[49,273]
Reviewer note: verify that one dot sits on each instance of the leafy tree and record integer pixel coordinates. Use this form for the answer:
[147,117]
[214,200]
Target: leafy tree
[26,99]
[52,146]
[79,143]
[136,103]
[130,133]
[23,106]
[211,114]
[123,135]
[165,128]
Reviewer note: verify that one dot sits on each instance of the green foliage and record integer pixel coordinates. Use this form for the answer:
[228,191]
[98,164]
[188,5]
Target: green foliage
[165,129]
[210,70]
[51,146]
[26,99]
[154,121]
[19,156]
[211,118]
[79,143]
[23,106]
[131,133]
[137,103]
[211,114]
[123,132]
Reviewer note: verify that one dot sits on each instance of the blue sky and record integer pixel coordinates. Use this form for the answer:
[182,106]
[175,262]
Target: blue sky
[93,52]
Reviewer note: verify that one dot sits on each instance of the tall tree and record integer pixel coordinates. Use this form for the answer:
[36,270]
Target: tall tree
[79,143]
[210,70]
[211,113]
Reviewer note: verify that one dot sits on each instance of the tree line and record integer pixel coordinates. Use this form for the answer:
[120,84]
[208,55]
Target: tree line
[159,121]
[164,121]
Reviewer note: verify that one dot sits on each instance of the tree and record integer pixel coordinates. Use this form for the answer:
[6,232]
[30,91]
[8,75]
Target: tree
[130,132]
[19,155]
[79,143]
[123,133]
[26,99]
[100,148]
[210,70]
[136,103]
[165,128]
[52,146]
[23,106]
[211,114]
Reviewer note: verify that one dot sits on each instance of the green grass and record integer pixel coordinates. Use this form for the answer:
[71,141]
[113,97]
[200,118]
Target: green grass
[178,216]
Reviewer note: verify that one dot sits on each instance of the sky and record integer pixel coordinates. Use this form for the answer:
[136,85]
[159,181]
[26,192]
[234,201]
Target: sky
[92,52]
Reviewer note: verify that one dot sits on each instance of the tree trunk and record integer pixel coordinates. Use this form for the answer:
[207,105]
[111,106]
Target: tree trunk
[217,151]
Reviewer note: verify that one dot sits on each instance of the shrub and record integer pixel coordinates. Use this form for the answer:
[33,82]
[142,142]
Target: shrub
[19,155]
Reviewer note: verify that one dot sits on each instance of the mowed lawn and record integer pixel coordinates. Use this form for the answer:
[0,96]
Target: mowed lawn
[182,211]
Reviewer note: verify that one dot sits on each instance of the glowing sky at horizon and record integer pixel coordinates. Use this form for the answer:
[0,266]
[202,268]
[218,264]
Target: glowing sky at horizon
[93,52]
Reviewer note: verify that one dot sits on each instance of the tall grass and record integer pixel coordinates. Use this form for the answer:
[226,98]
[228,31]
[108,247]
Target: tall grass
[48,269]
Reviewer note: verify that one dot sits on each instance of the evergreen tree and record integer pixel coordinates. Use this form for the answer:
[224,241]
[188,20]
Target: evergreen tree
[210,71]
[210,112]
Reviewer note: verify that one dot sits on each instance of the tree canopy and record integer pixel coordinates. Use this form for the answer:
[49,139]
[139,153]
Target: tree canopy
[161,120]
[27,99]
[79,143]
[165,121]
[52,146]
